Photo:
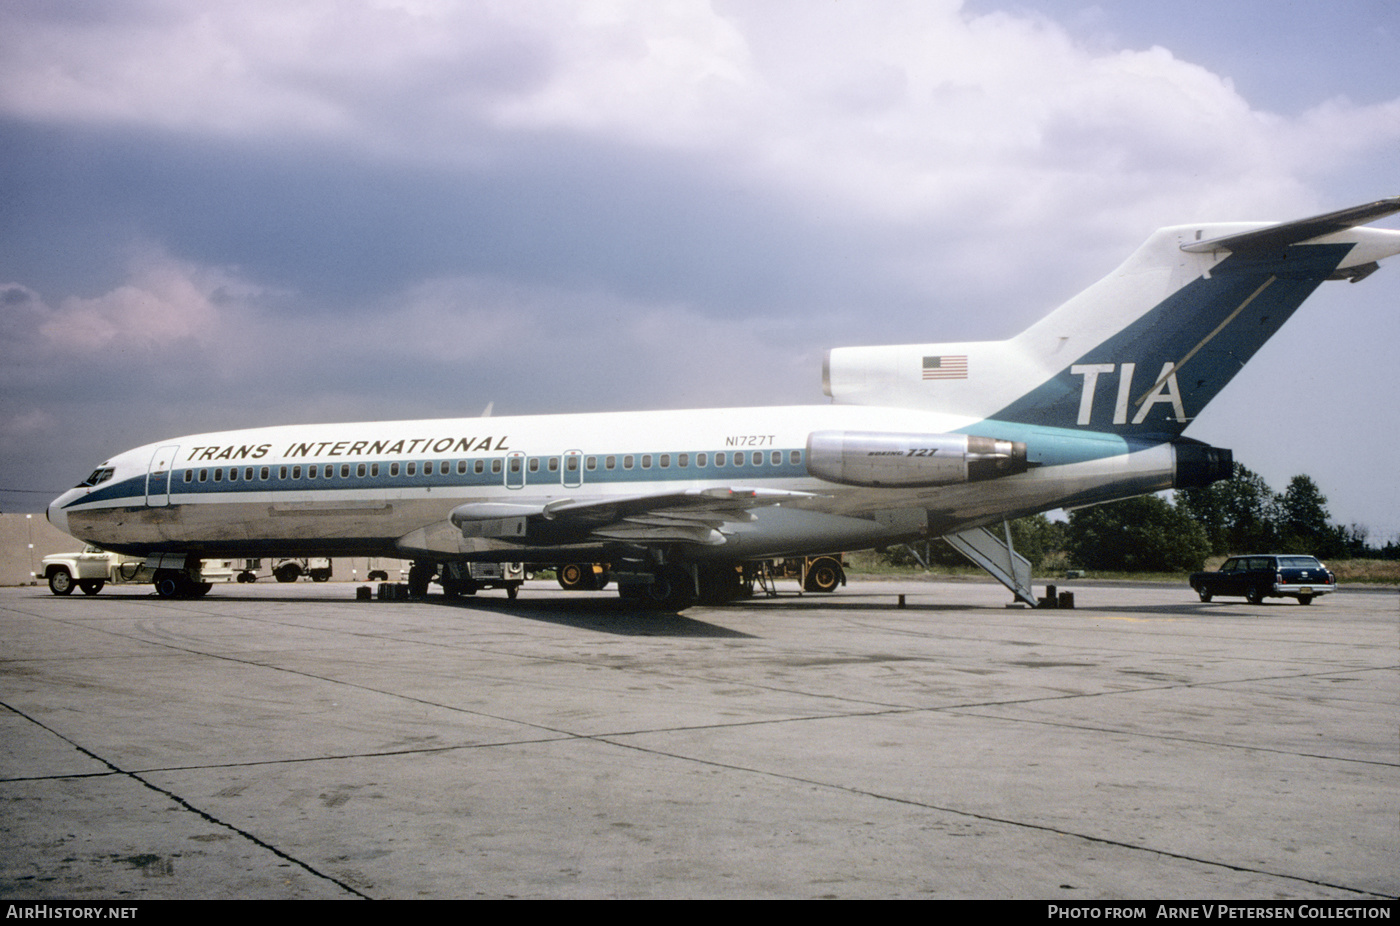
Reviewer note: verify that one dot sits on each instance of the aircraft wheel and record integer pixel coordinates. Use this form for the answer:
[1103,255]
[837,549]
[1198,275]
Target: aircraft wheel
[671,589]
[1254,595]
[60,582]
[455,588]
[720,584]
[419,575]
[91,586]
[824,575]
[169,584]
[576,577]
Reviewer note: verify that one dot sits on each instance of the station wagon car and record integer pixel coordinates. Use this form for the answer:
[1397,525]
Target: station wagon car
[1273,576]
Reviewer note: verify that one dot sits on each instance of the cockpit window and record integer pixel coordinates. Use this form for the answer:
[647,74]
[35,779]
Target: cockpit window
[99,476]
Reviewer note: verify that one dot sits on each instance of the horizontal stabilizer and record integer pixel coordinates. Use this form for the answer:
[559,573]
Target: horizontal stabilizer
[1278,236]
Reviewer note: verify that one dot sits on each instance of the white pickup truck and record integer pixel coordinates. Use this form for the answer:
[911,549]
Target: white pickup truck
[94,567]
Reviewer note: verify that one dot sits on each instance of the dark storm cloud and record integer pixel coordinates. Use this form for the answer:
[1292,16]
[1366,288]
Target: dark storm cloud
[343,230]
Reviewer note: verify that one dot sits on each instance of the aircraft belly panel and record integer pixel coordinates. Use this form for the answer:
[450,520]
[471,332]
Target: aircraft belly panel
[257,527]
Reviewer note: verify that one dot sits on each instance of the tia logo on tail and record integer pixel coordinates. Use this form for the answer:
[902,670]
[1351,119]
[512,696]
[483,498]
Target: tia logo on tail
[1165,391]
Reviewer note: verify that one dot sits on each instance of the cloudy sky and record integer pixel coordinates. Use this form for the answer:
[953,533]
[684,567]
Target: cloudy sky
[225,215]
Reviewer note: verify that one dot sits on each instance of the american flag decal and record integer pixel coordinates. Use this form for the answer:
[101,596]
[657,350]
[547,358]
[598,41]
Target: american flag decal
[954,367]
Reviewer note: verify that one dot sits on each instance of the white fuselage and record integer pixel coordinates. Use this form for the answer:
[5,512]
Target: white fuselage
[387,488]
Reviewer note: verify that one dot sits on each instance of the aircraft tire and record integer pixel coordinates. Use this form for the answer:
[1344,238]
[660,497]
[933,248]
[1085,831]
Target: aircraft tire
[576,577]
[170,584]
[419,575]
[672,589]
[91,586]
[824,575]
[720,584]
[60,582]
[455,588]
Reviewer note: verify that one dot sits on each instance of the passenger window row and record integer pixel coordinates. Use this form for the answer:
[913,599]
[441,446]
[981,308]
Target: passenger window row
[683,460]
[479,467]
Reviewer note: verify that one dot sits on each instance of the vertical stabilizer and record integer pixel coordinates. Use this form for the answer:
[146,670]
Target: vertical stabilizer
[1142,351]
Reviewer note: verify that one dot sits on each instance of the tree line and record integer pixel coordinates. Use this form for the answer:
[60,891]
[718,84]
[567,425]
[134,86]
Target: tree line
[1154,534]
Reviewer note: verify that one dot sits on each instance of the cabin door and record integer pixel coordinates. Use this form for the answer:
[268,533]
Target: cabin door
[159,475]
[573,469]
[515,470]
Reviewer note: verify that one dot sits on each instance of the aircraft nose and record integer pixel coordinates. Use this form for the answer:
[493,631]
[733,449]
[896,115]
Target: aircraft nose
[56,515]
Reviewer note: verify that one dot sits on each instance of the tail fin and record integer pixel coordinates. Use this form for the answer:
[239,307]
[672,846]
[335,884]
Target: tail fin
[1142,351]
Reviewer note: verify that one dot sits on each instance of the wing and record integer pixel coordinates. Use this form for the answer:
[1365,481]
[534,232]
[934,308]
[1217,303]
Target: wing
[692,516]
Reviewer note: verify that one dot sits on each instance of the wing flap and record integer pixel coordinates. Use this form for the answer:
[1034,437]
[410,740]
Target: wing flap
[692,516]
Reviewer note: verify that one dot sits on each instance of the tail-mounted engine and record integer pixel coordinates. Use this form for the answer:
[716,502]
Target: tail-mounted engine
[1199,464]
[883,460]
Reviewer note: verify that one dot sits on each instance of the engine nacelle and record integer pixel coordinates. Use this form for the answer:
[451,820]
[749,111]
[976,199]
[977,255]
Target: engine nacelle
[1199,464]
[884,460]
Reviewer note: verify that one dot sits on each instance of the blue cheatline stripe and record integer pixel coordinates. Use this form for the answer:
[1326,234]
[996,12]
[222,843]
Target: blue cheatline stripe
[1059,446]
[134,489]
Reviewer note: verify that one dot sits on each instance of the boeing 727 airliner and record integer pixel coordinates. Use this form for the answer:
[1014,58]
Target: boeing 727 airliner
[921,440]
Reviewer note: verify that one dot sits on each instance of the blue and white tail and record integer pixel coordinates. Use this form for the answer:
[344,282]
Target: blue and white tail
[1142,351]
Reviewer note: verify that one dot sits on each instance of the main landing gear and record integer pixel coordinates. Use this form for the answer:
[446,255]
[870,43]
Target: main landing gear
[175,583]
[662,588]
[824,574]
[458,578]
